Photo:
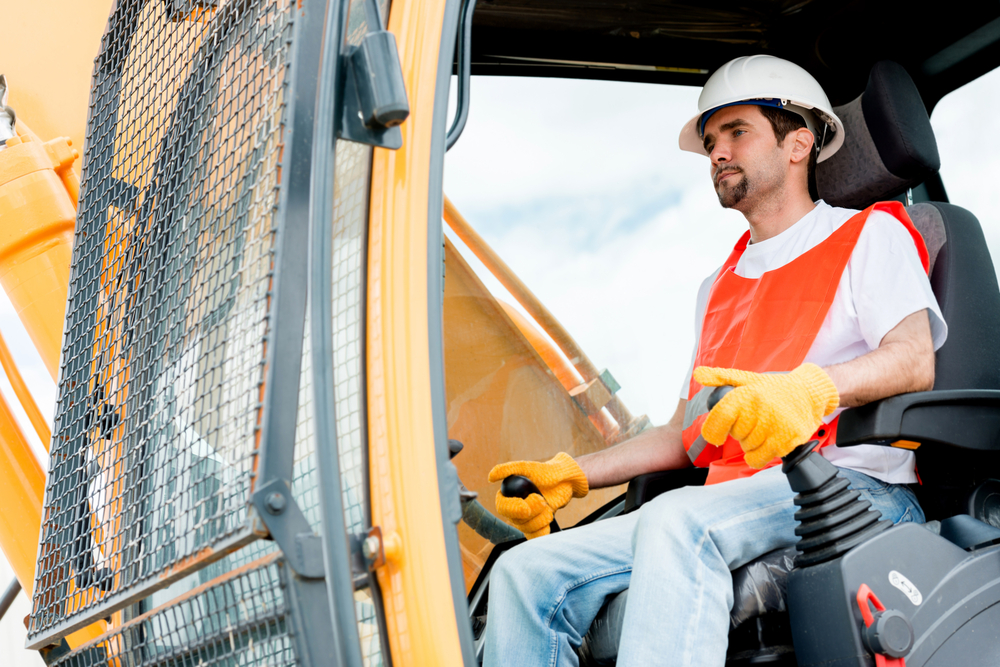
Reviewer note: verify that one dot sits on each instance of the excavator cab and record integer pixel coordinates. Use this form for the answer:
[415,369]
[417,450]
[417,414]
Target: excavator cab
[285,368]
[782,598]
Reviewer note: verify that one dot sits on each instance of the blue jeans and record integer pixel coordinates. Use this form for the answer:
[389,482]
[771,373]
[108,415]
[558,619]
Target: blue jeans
[674,555]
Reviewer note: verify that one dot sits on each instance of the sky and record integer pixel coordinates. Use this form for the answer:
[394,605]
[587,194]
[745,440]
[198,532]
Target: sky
[580,187]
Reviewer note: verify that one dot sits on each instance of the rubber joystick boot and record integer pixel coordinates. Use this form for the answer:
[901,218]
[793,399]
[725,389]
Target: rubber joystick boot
[833,519]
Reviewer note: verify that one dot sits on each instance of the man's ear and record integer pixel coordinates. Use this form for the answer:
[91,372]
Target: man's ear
[802,144]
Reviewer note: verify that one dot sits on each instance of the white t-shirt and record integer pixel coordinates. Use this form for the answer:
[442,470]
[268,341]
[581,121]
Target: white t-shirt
[883,283]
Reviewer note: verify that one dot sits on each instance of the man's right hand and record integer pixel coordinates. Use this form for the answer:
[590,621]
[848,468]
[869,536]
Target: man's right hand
[558,479]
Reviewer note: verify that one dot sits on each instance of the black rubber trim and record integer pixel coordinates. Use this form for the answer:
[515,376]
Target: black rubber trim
[464,73]
[644,488]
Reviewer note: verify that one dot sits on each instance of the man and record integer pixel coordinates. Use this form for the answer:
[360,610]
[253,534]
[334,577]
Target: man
[838,301]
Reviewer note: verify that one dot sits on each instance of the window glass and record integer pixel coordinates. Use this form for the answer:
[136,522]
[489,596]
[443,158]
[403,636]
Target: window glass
[580,188]
[963,121]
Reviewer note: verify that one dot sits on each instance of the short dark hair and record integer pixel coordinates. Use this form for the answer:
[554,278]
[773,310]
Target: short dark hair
[783,122]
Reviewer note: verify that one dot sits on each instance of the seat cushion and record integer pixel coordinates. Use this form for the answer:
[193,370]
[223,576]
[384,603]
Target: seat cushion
[759,588]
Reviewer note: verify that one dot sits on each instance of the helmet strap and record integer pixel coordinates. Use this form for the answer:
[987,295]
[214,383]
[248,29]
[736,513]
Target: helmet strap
[822,141]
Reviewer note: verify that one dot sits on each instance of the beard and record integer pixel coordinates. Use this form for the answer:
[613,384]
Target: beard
[732,195]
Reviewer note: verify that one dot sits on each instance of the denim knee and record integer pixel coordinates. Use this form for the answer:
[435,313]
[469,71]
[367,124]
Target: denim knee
[675,510]
[523,566]
[896,502]
[512,565]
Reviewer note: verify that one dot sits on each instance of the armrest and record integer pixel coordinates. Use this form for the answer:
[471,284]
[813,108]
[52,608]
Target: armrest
[644,488]
[967,418]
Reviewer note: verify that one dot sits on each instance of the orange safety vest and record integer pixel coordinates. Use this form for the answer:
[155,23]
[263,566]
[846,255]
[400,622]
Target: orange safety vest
[769,325]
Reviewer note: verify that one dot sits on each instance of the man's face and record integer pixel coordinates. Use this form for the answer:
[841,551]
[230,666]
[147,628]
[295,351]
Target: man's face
[746,161]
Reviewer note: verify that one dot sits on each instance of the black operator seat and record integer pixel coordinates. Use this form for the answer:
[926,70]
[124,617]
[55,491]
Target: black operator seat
[958,423]
[889,148]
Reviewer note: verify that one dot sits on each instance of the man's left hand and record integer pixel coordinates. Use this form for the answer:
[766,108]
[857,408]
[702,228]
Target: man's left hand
[770,414]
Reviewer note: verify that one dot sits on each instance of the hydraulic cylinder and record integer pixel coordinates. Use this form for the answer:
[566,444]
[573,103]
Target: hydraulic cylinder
[38,191]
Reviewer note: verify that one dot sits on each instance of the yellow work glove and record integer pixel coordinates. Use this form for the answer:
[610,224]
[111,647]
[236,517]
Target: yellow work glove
[558,479]
[770,414]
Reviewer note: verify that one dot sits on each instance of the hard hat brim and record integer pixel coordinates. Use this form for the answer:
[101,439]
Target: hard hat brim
[691,141]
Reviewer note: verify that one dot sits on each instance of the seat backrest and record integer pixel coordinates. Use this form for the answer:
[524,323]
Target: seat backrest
[889,147]
[965,284]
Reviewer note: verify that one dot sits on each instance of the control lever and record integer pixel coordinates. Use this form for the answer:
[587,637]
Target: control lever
[792,457]
[833,518]
[517,486]
[718,394]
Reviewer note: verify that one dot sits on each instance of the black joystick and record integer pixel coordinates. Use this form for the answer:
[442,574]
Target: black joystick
[517,486]
[833,519]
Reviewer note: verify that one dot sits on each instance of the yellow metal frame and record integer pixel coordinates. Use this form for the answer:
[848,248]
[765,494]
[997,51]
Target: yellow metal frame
[416,586]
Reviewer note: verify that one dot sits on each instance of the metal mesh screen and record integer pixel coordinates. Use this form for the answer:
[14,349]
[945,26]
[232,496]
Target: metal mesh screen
[350,230]
[350,233]
[165,340]
[239,619]
[305,490]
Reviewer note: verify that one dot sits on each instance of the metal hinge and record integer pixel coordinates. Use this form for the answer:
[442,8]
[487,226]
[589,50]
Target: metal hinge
[374,95]
[287,525]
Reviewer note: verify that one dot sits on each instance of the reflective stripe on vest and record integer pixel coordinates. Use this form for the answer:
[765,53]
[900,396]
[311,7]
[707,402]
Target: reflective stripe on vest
[769,324]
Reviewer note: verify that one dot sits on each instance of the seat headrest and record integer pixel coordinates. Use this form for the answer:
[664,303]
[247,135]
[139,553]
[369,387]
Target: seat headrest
[889,145]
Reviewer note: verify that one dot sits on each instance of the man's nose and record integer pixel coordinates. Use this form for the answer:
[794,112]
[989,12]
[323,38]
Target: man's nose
[720,154]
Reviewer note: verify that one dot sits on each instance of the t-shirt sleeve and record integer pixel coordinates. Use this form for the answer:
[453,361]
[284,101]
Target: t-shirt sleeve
[888,281]
[699,317]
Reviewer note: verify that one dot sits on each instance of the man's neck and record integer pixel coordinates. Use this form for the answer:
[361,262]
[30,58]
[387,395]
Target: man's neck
[777,213]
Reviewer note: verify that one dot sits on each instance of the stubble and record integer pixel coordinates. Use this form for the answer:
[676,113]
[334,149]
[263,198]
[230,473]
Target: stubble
[732,195]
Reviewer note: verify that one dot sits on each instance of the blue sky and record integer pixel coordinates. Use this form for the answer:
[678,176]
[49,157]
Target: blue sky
[580,186]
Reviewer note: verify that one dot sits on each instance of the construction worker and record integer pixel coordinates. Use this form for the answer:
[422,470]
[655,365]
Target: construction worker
[839,300]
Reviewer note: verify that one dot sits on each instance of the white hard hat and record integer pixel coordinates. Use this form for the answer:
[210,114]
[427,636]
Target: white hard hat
[766,81]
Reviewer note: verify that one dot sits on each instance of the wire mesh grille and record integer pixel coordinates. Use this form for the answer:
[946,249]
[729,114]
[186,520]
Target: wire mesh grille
[305,491]
[233,621]
[349,235]
[164,347]
[350,230]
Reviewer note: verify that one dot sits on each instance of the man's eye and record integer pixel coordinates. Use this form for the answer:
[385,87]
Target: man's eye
[737,133]
[709,148]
